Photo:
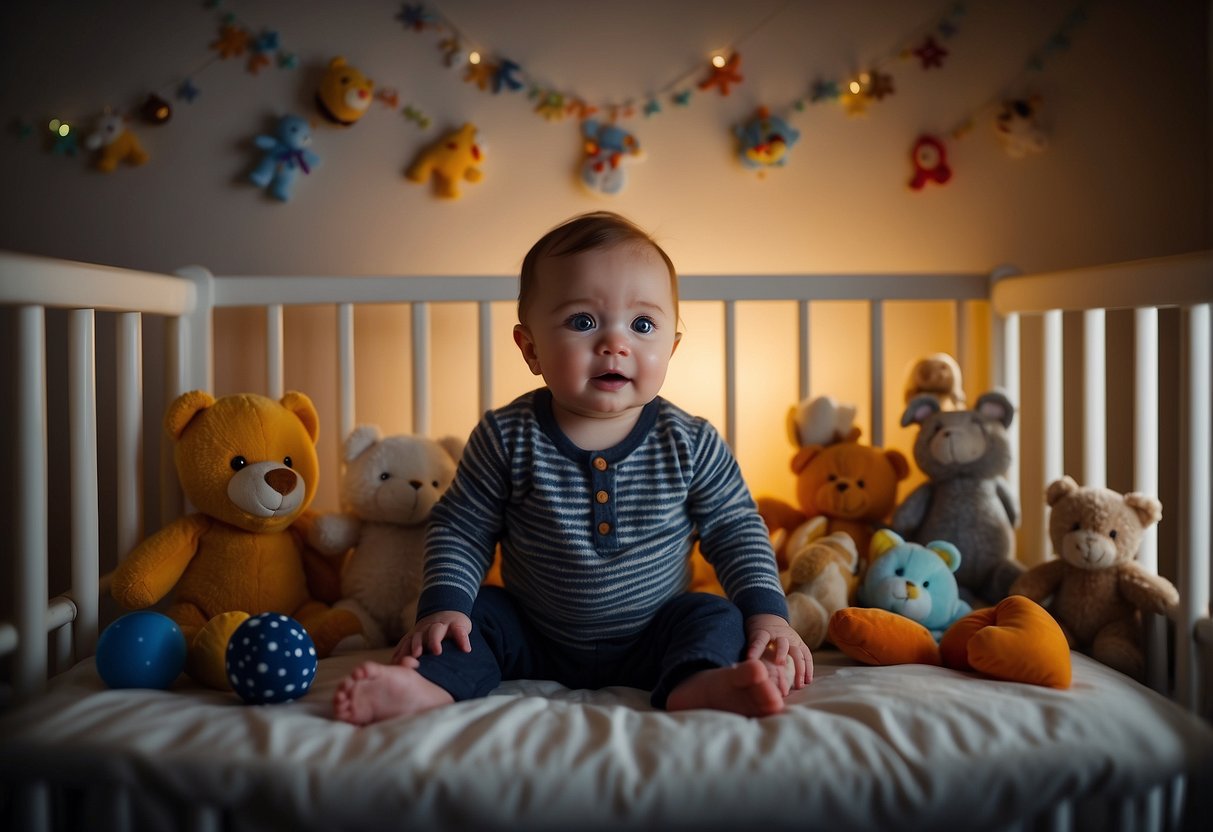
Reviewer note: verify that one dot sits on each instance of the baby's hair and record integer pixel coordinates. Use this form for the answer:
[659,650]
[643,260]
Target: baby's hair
[587,232]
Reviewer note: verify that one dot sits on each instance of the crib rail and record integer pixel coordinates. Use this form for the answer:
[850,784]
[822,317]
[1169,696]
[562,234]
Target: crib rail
[31,285]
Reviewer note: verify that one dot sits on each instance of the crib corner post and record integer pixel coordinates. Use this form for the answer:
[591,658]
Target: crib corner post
[196,333]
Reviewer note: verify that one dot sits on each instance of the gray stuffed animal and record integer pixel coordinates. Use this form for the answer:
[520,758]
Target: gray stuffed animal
[966,501]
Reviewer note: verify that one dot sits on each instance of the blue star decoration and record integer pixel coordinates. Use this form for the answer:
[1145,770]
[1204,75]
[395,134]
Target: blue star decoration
[652,107]
[287,60]
[681,99]
[415,16]
[267,41]
[187,91]
[504,77]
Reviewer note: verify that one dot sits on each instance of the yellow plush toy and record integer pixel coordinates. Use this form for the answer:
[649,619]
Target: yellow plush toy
[454,157]
[249,465]
[344,93]
[114,143]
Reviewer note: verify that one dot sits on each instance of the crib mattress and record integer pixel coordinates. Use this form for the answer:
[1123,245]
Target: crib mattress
[911,747]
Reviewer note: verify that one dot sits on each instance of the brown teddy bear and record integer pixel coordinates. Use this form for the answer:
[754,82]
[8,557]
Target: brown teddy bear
[248,463]
[1098,589]
[853,486]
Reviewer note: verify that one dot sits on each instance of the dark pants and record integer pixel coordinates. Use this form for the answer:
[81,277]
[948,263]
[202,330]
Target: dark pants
[689,633]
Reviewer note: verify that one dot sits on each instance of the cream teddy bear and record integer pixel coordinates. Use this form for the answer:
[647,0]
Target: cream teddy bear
[1096,586]
[389,488]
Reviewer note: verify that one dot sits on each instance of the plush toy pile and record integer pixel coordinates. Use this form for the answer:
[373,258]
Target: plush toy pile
[249,465]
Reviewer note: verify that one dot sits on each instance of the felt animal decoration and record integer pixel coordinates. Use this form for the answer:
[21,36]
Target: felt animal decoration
[914,580]
[853,486]
[1095,587]
[454,157]
[344,93]
[248,463]
[820,578]
[606,148]
[287,154]
[114,143]
[966,499]
[389,487]
[1017,129]
[930,157]
[763,141]
[937,375]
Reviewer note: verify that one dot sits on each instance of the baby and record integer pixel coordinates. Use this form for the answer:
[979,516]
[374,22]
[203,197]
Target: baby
[595,488]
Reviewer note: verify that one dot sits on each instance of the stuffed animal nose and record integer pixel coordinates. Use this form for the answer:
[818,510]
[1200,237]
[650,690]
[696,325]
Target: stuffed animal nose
[281,480]
[416,484]
[842,486]
[911,590]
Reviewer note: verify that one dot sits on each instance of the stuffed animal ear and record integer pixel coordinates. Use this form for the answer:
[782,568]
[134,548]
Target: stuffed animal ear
[453,445]
[183,409]
[360,438]
[1148,509]
[803,457]
[900,466]
[299,404]
[949,553]
[919,409]
[995,405]
[1059,489]
[881,542]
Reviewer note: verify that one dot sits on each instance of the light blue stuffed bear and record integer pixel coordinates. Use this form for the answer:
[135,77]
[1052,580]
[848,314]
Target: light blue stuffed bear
[914,580]
[286,155]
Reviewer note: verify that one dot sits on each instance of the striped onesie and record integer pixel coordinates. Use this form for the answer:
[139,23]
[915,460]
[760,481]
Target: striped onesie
[594,542]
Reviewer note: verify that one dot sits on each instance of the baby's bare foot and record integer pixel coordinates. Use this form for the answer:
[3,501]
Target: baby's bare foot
[373,692]
[781,675]
[746,688]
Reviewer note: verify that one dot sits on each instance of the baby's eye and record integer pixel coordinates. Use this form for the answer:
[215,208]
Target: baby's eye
[385,476]
[644,325]
[580,322]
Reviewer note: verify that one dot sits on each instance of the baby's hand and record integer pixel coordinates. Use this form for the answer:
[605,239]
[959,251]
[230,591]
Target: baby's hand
[773,639]
[429,632]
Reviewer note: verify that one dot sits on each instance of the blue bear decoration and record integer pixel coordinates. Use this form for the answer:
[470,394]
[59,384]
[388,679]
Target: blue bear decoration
[914,580]
[607,146]
[286,155]
[764,140]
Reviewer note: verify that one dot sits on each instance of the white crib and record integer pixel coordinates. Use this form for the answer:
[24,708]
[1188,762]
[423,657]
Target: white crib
[1026,348]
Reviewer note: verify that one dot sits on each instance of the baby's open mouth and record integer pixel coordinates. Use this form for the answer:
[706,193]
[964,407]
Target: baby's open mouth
[611,377]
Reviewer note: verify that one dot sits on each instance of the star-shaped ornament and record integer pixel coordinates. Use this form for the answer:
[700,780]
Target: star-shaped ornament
[187,91]
[724,76]
[824,91]
[931,53]
[232,42]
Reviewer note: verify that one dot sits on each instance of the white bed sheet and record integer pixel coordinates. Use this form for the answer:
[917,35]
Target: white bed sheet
[911,747]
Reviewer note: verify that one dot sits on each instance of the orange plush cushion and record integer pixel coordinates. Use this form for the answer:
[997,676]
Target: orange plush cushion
[1017,641]
[876,636]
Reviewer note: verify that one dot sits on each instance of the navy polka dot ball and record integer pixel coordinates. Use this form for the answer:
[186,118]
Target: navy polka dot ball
[271,659]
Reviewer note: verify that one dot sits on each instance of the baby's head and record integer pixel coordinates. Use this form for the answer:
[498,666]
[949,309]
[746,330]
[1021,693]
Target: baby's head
[593,231]
[598,316]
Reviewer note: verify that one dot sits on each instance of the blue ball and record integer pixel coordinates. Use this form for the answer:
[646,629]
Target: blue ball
[141,650]
[271,659]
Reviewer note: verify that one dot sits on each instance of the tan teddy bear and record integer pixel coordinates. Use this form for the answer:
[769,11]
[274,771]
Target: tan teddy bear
[1098,589]
[820,577]
[388,490]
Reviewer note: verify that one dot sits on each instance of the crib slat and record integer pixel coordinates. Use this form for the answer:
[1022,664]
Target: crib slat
[803,342]
[421,368]
[1095,402]
[1145,476]
[484,331]
[1051,415]
[29,674]
[876,340]
[274,373]
[1005,373]
[730,374]
[345,369]
[1196,501]
[176,379]
[82,419]
[129,396]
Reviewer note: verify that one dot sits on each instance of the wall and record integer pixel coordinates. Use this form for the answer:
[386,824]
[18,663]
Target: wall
[1126,175]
